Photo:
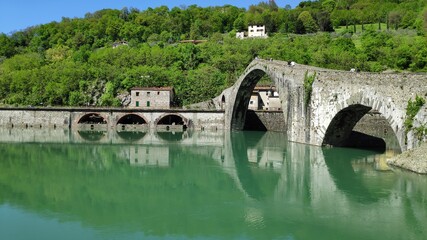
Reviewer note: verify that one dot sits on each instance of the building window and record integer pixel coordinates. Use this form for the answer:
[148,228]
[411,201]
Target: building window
[137,103]
[148,93]
[148,103]
[137,94]
[158,93]
[252,102]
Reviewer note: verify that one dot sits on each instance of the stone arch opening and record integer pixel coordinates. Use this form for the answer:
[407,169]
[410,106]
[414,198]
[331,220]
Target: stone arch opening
[255,104]
[92,118]
[222,102]
[242,99]
[131,122]
[171,122]
[361,126]
[132,119]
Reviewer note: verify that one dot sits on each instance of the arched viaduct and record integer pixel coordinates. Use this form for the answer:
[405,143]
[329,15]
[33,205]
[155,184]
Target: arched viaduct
[326,114]
[122,119]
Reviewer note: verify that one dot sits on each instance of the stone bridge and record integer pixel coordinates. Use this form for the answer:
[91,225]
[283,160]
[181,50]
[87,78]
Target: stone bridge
[327,114]
[122,119]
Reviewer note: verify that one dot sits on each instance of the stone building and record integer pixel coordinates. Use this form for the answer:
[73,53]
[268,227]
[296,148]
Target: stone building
[265,98]
[151,97]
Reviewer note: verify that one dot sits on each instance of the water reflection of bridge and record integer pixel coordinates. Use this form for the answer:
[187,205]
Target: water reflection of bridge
[313,181]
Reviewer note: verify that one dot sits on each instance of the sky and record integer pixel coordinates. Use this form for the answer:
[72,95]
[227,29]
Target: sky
[17,15]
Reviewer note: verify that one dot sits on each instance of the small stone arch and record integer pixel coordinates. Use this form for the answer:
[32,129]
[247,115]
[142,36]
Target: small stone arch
[132,122]
[92,118]
[339,130]
[171,122]
[132,119]
[92,121]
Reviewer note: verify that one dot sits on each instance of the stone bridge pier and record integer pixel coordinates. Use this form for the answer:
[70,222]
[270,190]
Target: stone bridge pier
[325,111]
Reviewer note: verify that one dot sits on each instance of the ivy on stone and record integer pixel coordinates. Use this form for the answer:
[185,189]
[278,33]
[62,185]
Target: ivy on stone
[308,87]
[411,111]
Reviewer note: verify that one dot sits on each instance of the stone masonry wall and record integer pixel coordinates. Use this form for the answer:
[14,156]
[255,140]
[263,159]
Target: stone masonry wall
[266,120]
[387,94]
[30,118]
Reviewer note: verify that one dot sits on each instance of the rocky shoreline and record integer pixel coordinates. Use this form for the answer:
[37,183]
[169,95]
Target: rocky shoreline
[414,160]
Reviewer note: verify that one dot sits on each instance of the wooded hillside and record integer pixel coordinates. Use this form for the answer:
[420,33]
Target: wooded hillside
[73,62]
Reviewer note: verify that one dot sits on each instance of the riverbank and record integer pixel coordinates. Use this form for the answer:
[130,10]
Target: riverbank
[414,160]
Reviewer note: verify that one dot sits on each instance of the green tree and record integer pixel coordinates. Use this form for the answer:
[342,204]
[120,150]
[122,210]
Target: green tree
[324,22]
[308,22]
[7,48]
[239,23]
[394,19]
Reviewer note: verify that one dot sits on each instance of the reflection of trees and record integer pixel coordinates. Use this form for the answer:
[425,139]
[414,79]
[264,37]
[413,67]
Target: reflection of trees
[131,136]
[92,185]
[92,136]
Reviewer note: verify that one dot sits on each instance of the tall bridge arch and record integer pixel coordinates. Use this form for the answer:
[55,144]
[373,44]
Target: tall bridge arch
[288,86]
[351,109]
[338,100]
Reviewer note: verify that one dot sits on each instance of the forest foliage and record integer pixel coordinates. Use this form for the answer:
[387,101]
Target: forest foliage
[73,62]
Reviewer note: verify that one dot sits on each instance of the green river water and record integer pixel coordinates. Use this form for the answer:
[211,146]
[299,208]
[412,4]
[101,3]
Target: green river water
[56,184]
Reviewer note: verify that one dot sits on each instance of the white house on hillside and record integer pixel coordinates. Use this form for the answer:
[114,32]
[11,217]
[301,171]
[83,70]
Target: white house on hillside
[254,31]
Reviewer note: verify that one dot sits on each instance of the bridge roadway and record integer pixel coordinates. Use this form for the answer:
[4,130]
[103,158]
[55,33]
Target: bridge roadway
[327,114]
[111,118]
